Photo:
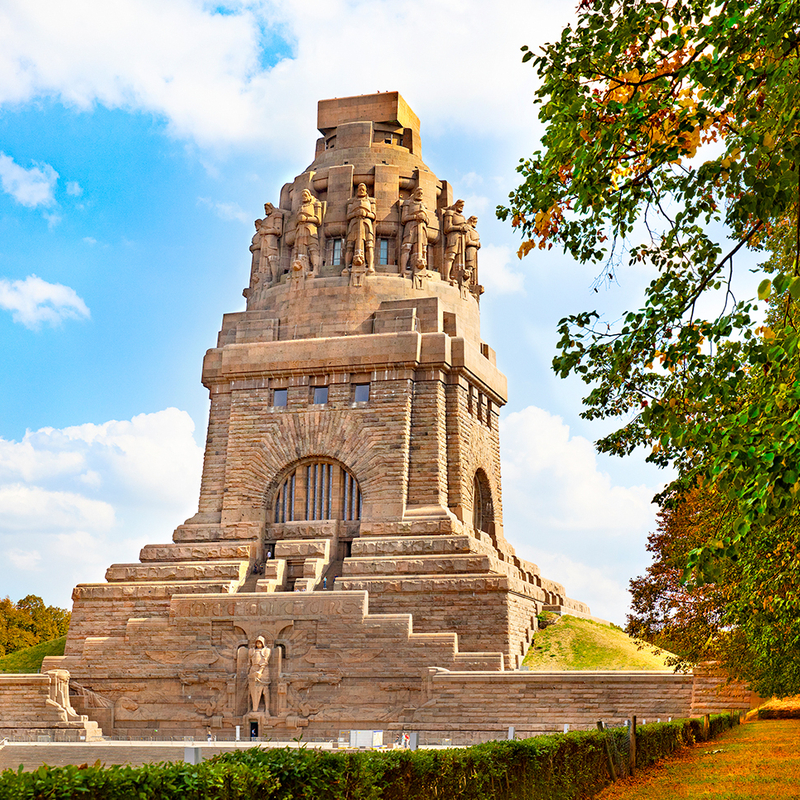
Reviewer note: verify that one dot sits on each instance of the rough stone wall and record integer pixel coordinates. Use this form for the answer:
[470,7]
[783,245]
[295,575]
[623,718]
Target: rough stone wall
[38,705]
[712,692]
[478,707]
[427,481]
[212,484]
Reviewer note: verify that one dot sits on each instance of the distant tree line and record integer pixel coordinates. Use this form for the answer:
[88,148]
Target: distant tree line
[28,622]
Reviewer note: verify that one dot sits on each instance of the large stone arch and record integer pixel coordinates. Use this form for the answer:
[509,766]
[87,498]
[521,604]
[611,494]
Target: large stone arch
[257,463]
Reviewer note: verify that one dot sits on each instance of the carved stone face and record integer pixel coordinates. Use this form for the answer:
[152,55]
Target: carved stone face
[418,194]
[473,221]
[459,206]
[268,208]
[362,190]
[306,196]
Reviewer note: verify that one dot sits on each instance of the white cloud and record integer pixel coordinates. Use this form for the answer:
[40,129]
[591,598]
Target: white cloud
[26,560]
[203,72]
[29,187]
[227,211]
[558,475]
[495,272]
[34,301]
[75,499]
[33,509]
[90,240]
[74,189]
[566,515]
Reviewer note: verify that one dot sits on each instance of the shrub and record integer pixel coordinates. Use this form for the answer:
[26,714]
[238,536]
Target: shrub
[559,767]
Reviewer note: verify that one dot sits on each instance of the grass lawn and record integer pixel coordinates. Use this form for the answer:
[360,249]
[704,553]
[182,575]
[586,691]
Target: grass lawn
[575,643]
[760,759]
[30,659]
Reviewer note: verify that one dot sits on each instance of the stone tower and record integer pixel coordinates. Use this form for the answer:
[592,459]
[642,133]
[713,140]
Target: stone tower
[349,533]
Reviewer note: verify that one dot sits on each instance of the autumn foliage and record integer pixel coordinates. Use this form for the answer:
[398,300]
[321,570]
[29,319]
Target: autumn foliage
[28,622]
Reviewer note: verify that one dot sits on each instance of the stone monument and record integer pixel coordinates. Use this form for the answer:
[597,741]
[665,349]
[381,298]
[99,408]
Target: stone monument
[349,540]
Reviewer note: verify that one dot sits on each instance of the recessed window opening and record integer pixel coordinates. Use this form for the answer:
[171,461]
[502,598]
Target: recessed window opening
[318,490]
[488,412]
[352,498]
[284,500]
[280,397]
[361,393]
[482,505]
[337,252]
[319,485]
[320,395]
[383,251]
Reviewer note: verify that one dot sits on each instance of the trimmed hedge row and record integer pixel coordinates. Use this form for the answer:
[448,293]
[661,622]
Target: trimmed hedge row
[560,767]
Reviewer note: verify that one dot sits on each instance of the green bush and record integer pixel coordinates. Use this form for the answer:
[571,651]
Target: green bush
[178,781]
[560,767]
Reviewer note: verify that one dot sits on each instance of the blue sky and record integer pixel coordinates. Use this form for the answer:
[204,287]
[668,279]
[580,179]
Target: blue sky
[138,141]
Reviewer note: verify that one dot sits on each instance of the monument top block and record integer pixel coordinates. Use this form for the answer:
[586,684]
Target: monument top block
[384,107]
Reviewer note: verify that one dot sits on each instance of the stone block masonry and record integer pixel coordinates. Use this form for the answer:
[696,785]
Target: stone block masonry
[347,566]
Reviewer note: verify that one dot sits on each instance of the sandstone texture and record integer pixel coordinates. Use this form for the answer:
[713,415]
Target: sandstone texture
[347,566]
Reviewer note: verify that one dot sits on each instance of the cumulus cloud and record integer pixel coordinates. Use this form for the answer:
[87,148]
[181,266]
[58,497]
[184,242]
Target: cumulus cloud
[29,187]
[33,509]
[496,272]
[75,499]
[565,514]
[25,560]
[227,211]
[205,72]
[34,301]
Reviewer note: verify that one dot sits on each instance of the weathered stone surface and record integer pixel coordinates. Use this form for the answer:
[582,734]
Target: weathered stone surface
[347,566]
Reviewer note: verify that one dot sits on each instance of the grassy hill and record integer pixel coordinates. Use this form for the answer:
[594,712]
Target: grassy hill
[574,643]
[30,659]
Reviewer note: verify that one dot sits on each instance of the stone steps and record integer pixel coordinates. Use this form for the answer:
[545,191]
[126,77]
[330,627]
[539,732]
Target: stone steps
[202,551]
[392,566]
[235,570]
[152,590]
[412,545]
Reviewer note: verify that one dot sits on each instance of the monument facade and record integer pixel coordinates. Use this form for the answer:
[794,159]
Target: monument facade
[349,539]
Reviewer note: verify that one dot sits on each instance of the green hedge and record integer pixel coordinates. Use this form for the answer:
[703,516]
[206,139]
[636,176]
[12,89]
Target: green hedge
[559,767]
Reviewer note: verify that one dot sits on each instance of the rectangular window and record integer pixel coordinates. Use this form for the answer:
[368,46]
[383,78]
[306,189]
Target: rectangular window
[337,252]
[361,393]
[489,412]
[383,251]
[280,397]
[320,395]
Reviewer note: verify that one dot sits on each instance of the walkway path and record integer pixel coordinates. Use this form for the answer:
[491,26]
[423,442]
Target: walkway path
[757,760]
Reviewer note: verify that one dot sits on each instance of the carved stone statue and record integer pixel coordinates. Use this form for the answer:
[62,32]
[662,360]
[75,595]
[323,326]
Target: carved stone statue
[472,245]
[255,249]
[271,230]
[306,241]
[258,674]
[360,231]
[455,229]
[414,217]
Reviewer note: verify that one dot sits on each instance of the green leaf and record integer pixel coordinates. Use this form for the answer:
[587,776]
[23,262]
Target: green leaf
[764,289]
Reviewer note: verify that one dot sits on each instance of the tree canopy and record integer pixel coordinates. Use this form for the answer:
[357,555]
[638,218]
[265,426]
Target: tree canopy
[672,141]
[28,622]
